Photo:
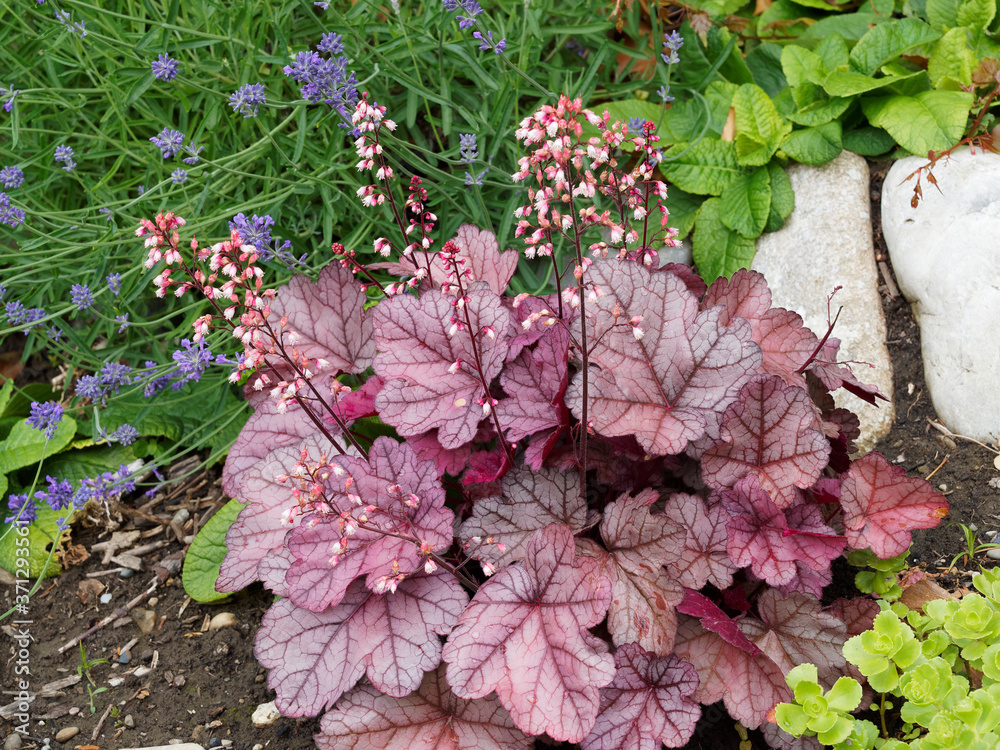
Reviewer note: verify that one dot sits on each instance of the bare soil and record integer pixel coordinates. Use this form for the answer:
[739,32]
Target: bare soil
[206,684]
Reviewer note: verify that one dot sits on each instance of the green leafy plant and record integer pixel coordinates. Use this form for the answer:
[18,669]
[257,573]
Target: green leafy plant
[84,671]
[973,548]
[940,667]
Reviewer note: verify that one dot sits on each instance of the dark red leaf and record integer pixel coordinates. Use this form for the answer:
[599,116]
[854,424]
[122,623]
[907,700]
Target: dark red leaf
[714,619]
[835,375]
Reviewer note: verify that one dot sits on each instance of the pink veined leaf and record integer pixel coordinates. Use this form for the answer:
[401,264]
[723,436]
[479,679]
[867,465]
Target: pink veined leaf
[882,506]
[486,466]
[357,404]
[525,636]
[714,619]
[704,557]
[259,527]
[647,704]
[858,613]
[327,320]
[432,718]
[481,252]
[783,338]
[667,387]
[807,581]
[835,375]
[776,737]
[541,445]
[771,433]
[643,595]
[770,541]
[750,686]
[794,630]
[315,657]
[266,430]
[424,389]
[448,460]
[547,306]
[272,568]
[528,501]
[694,283]
[535,383]
[401,501]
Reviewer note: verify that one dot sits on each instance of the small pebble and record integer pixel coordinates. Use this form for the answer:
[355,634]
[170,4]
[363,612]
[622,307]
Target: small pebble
[996,461]
[995,483]
[264,714]
[222,620]
[74,711]
[13,742]
[116,681]
[993,554]
[153,601]
[991,533]
[124,657]
[258,679]
[105,598]
[145,619]
[258,746]
[943,487]
[142,672]
[65,735]
[909,389]
[215,742]
[126,573]
[973,527]
[129,722]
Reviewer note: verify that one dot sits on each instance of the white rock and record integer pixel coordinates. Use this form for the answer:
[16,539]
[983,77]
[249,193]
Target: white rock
[183,746]
[993,554]
[826,243]
[264,714]
[944,254]
[222,620]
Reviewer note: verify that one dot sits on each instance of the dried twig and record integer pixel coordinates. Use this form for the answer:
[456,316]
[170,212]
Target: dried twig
[948,433]
[100,724]
[120,612]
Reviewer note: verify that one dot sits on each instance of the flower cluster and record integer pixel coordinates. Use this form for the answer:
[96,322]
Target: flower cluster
[11,177]
[46,417]
[256,231]
[179,176]
[571,171]
[126,434]
[64,154]
[63,17]
[672,42]
[10,214]
[108,381]
[468,155]
[8,95]
[368,121]
[81,296]
[247,98]
[471,9]
[164,67]
[19,315]
[325,79]
[168,141]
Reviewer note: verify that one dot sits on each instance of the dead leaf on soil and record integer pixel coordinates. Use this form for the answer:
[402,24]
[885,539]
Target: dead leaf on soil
[923,591]
[10,365]
[89,590]
[74,554]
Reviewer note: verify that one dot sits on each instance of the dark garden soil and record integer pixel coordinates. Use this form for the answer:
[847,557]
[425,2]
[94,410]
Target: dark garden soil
[202,685]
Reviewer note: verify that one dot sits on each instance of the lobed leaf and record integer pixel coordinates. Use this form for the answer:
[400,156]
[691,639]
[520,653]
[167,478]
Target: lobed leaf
[525,636]
[703,556]
[481,252]
[647,704]
[667,388]
[315,657]
[415,354]
[535,382]
[431,718]
[882,506]
[771,433]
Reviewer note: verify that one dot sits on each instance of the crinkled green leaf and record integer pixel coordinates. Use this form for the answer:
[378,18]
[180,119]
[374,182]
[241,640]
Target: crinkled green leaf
[25,445]
[719,96]
[683,208]
[814,145]
[851,26]
[759,127]
[718,250]
[849,83]
[822,5]
[868,141]
[821,110]
[204,556]
[887,41]
[952,62]
[782,198]
[764,62]
[8,388]
[746,203]
[833,51]
[705,168]
[928,121]
[41,534]
[976,13]
[802,66]
[74,466]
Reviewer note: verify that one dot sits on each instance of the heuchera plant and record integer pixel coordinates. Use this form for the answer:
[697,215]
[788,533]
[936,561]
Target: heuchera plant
[581,515]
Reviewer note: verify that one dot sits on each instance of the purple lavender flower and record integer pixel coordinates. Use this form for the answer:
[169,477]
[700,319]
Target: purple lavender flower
[664,94]
[471,7]
[126,435]
[193,158]
[635,124]
[322,5]
[326,80]
[54,333]
[17,315]
[66,20]
[467,153]
[487,42]
[192,360]
[64,154]
[331,44]
[108,213]
[114,283]
[672,42]
[140,190]
[23,507]
[155,383]
[168,141]
[254,231]
[164,67]
[81,296]
[11,177]
[59,495]
[110,379]
[10,215]
[3,292]
[123,320]
[8,97]
[179,176]
[46,417]
[247,98]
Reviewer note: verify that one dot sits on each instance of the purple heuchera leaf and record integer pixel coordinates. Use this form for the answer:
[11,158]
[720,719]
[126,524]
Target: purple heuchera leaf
[392,638]
[417,358]
[794,630]
[528,501]
[835,375]
[669,387]
[432,718]
[261,526]
[646,704]
[535,383]
[393,491]
[770,432]
[448,460]
[750,686]
[525,636]
[326,320]
[714,619]
[703,557]
[481,252]
[882,506]
[643,595]
[770,541]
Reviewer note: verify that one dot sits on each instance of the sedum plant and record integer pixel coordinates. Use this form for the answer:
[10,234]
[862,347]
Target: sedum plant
[940,668]
[490,518]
